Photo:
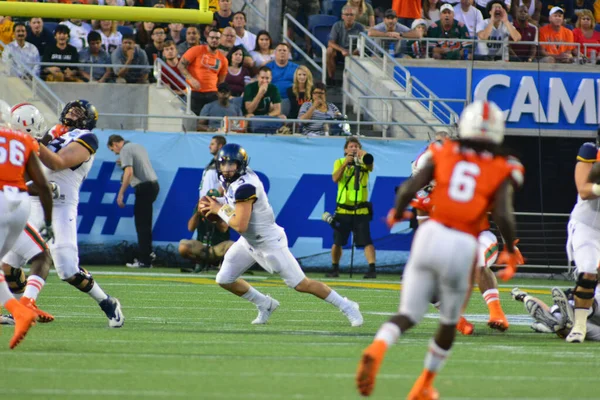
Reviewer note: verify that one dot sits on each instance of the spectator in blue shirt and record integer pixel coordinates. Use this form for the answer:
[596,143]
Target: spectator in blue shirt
[95,55]
[283,69]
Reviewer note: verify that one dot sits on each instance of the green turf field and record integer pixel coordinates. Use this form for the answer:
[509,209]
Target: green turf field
[184,337]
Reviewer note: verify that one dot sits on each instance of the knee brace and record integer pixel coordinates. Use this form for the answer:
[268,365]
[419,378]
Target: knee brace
[583,283]
[82,280]
[16,280]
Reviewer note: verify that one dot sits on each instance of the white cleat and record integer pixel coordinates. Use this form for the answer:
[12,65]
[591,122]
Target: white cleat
[112,309]
[560,299]
[265,313]
[518,294]
[352,312]
[576,336]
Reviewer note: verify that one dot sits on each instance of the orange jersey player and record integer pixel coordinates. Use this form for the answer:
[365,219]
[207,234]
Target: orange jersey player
[471,174]
[17,158]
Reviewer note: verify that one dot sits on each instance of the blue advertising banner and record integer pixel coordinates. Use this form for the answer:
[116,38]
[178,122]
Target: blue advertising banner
[530,99]
[296,173]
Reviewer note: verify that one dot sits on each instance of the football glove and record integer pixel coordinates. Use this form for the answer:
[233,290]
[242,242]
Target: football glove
[512,261]
[47,233]
[392,218]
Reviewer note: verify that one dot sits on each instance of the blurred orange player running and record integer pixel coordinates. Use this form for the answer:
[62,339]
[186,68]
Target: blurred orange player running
[487,253]
[18,157]
[471,174]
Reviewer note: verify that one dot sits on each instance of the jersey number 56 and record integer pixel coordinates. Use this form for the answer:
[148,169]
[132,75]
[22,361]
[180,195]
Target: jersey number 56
[15,152]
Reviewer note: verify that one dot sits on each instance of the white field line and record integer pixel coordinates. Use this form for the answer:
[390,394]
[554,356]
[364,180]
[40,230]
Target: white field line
[261,277]
[311,375]
[456,359]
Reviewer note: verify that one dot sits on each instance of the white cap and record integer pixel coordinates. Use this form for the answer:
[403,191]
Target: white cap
[446,7]
[418,22]
[555,10]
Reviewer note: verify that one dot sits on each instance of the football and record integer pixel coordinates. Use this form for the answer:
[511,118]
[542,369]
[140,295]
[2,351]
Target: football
[211,217]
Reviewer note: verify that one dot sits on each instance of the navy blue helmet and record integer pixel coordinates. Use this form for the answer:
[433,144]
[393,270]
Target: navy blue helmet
[232,152]
[86,118]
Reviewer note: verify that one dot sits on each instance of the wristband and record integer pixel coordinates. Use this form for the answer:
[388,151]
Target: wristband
[226,212]
[596,189]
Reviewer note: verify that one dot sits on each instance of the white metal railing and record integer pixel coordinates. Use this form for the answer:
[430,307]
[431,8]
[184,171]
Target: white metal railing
[172,79]
[471,44]
[294,124]
[398,73]
[431,110]
[594,57]
[92,66]
[542,239]
[264,17]
[39,88]
[287,18]
[347,93]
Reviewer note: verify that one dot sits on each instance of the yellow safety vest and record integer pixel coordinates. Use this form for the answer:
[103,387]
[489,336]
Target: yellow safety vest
[346,195]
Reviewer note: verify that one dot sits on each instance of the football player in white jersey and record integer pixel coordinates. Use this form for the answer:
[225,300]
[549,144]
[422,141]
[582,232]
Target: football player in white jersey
[583,243]
[68,159]
[559,317]
[29,245]
[246,209]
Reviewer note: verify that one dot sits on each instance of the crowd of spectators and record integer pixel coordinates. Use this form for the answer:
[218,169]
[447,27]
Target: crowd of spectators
[504,24]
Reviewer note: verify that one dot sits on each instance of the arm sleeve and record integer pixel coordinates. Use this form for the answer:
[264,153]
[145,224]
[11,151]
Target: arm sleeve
[337,164]
[276,95]
[116,60]
[587,153]
[224,67]
[333,35]
[126,157]
[89,141]
[303,108]
[205,112]
[246,192]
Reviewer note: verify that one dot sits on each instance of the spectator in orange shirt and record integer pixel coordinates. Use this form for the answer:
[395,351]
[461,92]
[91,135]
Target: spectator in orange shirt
[204,67]
[556,32]
[585,33]
[6,31]
[407,10]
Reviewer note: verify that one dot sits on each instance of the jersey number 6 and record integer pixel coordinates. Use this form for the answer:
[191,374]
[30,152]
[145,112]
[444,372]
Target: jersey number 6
[15,152]
[463,181]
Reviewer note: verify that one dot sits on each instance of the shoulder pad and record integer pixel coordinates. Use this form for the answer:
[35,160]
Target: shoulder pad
[517,171]
[245,192]
[587,152]
[89,141]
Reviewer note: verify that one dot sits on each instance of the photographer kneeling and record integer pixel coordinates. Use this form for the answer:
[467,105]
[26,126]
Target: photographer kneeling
[212,241]
[353,212]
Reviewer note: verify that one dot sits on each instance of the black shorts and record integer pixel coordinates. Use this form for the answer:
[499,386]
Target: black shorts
[362,229]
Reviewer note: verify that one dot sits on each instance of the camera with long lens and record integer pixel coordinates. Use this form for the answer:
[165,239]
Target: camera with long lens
[366,159]
[330,219]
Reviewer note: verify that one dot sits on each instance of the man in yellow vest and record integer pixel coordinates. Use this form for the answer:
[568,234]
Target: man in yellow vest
[353,211]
